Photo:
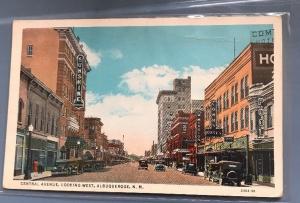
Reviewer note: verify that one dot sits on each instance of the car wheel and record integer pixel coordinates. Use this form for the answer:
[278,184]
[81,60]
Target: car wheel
[238,184]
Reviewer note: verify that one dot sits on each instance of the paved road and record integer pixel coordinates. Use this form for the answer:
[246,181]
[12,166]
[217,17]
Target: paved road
[129,173]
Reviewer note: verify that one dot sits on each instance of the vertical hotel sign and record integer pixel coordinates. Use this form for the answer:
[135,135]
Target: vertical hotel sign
[213,131]
[79,103]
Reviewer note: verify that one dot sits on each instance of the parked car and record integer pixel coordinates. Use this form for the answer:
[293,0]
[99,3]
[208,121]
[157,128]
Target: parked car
[143,164]
[228,172]
[210,170]
[179,165]
[93,165]
[160,167]
[190,168]
[67,167]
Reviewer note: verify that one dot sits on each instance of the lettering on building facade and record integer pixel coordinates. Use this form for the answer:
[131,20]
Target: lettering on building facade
[78,94]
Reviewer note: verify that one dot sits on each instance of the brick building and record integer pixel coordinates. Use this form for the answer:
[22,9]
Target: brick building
[96,139]
[40,107]
[230,91]
[50,54]
[116,150]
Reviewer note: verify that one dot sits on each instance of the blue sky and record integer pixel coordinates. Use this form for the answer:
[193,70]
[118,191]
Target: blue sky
[177,46]
[131,64]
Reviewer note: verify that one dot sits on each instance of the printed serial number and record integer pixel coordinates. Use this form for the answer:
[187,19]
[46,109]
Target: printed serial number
[247,190]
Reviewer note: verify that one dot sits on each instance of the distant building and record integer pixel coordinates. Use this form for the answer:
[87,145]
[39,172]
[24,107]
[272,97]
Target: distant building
[180,139]
[92,134]
[50,54]
[197,105]
[41,107]
[169,103]
[116,150]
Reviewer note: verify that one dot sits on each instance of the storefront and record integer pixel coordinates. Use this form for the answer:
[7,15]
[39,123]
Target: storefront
[20,154]
[263,160]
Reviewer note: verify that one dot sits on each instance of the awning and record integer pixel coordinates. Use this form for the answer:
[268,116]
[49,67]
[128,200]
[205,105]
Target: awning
[181,150]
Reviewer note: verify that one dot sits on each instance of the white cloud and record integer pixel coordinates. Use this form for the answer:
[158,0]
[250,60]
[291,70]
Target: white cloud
[133,116]
[93,57]
[116,54]
[147,81]
[201,78]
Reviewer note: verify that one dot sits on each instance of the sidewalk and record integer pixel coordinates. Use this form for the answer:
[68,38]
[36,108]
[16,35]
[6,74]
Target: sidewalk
[34,176]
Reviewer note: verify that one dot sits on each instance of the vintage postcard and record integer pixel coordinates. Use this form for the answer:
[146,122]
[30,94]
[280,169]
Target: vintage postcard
[187,106]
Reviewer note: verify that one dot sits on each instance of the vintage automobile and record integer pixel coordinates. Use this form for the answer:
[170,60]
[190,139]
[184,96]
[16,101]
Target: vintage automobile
[227,172]
[210,170]
[160,167]
[190,168]
[93,165]
[67,167]
[143,164]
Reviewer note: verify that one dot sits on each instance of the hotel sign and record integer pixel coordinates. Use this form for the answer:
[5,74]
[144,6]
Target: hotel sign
[78,102]
[264,58]
[213,131]
[213,112]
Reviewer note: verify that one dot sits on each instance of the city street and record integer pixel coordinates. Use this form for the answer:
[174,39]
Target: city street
[129,172]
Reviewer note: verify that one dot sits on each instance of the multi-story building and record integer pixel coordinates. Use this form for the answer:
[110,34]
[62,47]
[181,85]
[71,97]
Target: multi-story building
[93,135]
[169,103]
[229,92]
[51,56]
[180,139]
[116,150]
[196,105]
[40,107]
[261,102]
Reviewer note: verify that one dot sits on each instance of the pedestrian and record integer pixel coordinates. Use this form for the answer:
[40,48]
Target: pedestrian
[35,167]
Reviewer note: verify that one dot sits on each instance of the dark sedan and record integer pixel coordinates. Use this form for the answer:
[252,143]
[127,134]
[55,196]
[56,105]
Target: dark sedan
[160,167]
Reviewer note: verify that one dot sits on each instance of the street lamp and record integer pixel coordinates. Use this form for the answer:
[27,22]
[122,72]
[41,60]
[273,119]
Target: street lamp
[96,151]
[28,164]
[78,144]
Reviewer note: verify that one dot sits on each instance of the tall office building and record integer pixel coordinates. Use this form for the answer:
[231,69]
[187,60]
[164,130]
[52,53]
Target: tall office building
[169,103]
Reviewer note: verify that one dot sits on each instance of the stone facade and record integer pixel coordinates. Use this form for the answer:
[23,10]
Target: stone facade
[261,99]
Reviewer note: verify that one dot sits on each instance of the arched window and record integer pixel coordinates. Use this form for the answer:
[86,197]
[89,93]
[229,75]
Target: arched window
[20,110]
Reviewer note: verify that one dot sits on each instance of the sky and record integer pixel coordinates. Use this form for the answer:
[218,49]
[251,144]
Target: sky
[131,64]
